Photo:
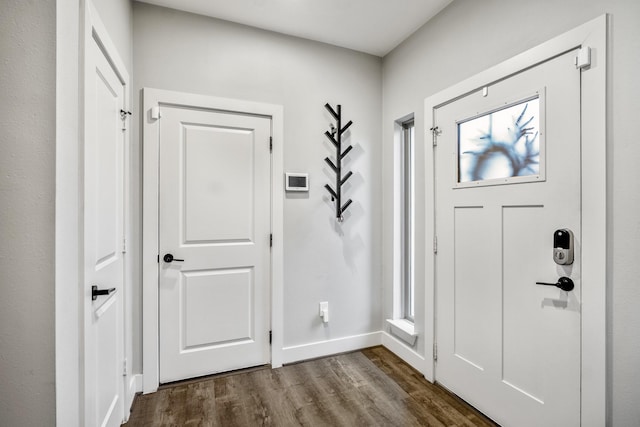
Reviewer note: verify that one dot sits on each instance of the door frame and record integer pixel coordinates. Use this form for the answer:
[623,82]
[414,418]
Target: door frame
[593,93]
[150,225]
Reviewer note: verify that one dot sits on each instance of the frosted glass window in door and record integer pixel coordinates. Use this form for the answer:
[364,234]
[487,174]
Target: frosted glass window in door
[500,144]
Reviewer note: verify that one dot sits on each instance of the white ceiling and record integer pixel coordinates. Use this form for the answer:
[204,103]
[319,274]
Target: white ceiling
[371,26]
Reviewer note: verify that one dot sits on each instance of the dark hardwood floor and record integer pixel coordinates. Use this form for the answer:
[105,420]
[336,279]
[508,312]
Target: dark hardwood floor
[372,387]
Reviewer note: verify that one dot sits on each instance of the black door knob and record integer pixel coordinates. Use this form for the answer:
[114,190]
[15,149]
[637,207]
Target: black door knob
[564,283]
[170,258]
[95,292]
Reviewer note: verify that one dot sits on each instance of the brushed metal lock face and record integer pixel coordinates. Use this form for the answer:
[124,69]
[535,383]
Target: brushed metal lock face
[563,247]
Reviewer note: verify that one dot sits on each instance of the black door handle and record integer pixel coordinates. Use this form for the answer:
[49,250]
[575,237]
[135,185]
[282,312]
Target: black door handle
[563,283]
[170,258]
[95,292]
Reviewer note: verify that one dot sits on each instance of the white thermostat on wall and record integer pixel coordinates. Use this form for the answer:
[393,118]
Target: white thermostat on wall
[296,181]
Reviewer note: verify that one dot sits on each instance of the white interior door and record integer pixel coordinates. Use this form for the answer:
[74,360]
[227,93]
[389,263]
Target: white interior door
[508,346]
[215,222]
[103,240]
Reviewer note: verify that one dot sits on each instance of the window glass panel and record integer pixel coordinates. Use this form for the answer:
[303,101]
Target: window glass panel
[408,220]
[501,144]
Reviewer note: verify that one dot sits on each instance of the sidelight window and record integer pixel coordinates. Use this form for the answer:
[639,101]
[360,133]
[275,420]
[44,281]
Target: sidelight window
[407,218]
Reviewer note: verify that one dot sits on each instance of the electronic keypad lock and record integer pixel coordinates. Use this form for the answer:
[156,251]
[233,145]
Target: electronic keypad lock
[563,246]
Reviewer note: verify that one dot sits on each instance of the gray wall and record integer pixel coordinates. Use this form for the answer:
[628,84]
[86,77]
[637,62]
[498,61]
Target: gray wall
[469,36]
[322,261]
[27,185]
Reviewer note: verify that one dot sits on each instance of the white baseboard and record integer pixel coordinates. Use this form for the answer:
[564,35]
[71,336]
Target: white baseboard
[327,348]
[405,353]
[134,386]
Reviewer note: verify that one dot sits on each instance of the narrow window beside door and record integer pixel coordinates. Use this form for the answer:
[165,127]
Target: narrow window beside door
[407,218]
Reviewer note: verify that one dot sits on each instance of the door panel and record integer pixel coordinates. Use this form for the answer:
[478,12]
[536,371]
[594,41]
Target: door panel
[506,345]
[522,316]
[105,164]
[203,306]
[103,234]
[471,284]
[215,215]
[218,165]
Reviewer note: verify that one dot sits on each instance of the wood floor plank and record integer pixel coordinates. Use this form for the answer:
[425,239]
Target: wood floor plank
[372,387]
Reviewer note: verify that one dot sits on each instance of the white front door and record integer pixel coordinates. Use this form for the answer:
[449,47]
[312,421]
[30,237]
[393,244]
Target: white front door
[214,220]
[508,346]
[103,242]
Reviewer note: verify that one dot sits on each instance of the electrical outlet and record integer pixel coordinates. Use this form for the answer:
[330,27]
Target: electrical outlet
[324,311]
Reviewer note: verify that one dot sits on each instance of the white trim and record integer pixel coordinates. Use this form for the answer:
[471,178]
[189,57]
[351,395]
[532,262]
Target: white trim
[594,230]
[134,386]
[68,320]
[594,220]
[127,295]
[150,141]
[403,329]
[397,268]
[400,349]
[327,348]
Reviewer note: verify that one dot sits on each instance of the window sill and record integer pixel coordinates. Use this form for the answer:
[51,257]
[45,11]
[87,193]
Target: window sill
[404,330]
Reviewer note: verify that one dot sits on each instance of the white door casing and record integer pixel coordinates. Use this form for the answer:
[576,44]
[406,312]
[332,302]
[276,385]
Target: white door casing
[155,101]
[104,213]
[215,196]
[592,199]
[506,345]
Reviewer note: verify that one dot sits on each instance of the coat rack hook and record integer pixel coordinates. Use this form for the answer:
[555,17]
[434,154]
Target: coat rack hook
[335,135]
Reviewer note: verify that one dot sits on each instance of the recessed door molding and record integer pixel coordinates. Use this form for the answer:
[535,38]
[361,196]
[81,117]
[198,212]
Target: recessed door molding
[153,100]
[592,34]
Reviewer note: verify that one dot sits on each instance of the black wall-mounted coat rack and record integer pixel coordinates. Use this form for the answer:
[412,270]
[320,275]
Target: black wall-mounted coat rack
[335,136]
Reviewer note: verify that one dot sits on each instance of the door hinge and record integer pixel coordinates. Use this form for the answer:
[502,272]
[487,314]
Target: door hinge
[583,59]
[435,244]
[435,131]
[435,352]
[158,258]
[271,240]
[270,144]
[270,337]
[124,368]
[124,245]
